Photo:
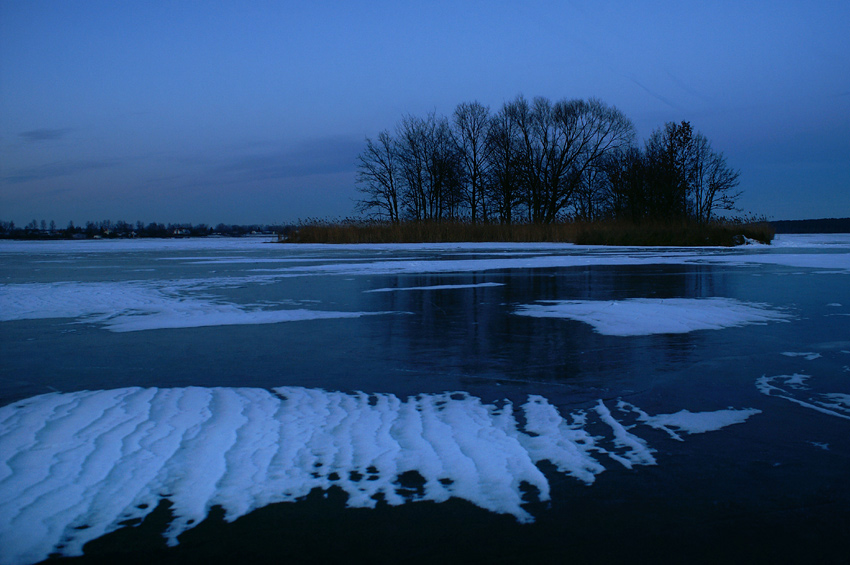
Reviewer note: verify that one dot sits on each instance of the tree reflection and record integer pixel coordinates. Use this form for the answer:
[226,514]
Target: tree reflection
[473,331]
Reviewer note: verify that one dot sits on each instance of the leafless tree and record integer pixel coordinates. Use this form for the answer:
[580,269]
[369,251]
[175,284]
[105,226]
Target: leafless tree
[561,143]
[542,161]
[471,122]
[430,168]
[687,179]
[504,175]
[713,182]
[379,178]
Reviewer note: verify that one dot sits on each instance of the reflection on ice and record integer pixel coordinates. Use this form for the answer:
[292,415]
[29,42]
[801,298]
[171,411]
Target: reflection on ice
[644,316]
[75,466]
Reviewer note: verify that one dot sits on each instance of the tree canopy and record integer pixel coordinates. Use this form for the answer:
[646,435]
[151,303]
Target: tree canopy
[540,161]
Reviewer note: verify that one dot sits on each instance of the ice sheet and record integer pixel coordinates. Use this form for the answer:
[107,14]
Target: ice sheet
[74,466]
[436,287]
[127,307]
[825,253]
[643,316]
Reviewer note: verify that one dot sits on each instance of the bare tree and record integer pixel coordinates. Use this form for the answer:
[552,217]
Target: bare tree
[379,178]
[687,179]
[713,182]
[471,121]
[430,168]
[542,161]
[561,143]
[412,139]
[589,131]
[625,185]
[590,197]
[504,175]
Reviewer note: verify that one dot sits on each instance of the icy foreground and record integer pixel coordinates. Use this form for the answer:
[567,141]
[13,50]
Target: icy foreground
[74,466]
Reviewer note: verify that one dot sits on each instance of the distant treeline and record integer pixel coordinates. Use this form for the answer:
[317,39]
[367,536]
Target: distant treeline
[125,230]
[541,162]
[825,225]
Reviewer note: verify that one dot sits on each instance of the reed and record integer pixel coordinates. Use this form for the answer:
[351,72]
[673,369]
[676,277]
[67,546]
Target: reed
[721,233]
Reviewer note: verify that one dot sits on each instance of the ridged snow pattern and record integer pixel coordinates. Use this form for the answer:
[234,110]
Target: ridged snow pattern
[74,466]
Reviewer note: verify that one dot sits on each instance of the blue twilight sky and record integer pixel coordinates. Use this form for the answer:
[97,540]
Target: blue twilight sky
[254,112]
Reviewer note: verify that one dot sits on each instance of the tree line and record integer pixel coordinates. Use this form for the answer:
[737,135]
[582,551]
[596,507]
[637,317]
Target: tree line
[108,229]
[540,161]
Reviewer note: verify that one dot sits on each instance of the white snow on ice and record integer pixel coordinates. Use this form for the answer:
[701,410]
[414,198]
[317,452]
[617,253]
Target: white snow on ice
[128,307]
[685,421]
[808,355]
[436,287]
[644,316]
[74,466]
[794,388]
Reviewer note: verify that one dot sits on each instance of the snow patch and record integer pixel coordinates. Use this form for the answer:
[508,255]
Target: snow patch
[808,355]
[644,316]
[128,307]
[685,421]
[795,388]
[75,466]
[437,287]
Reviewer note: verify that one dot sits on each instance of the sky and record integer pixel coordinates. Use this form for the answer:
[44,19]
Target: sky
[254,112]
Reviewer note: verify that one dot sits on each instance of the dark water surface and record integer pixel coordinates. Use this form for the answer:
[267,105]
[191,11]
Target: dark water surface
[771,488]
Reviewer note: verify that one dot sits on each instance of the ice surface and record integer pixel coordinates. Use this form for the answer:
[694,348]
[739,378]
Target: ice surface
[436,287]
[831,254]
[644,316]
[74,466]
[128,307]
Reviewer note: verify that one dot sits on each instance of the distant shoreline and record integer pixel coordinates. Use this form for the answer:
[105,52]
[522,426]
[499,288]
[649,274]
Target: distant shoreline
[365,231]
[822,225]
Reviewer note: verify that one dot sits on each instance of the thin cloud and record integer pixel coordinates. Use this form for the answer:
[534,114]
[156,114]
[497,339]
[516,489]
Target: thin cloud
[318,157]
[54,170]
[37,135]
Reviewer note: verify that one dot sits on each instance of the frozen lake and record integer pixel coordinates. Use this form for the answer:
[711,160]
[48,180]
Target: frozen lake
[190,399]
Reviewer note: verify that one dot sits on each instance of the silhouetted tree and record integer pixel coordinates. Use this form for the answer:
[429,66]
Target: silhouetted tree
[503,172]
[687,179]
[471,121]
[430,168]
[542,161]
[561,143]
[379,177]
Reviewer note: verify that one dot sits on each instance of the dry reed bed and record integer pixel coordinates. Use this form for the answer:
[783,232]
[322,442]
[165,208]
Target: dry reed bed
[582,233]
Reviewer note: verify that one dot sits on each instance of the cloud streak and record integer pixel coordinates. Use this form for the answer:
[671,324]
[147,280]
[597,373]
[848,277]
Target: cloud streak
[54,170]
[655,94]
[44,134]
[318,157]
